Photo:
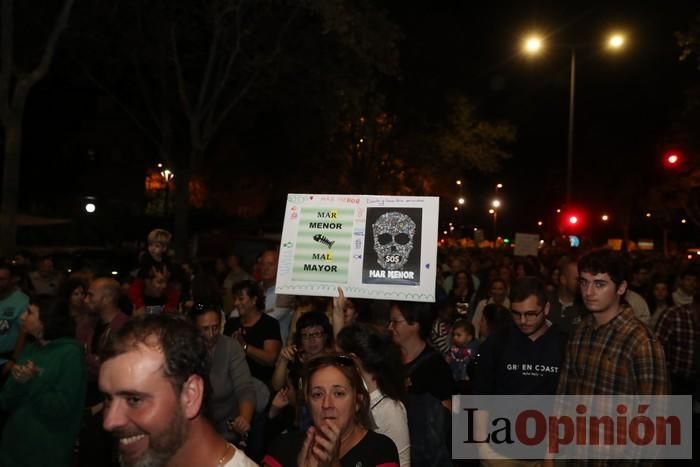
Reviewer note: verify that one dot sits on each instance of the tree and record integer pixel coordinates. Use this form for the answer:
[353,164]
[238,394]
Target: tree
[468,142]
[16,83]
[189,66]
[689,40]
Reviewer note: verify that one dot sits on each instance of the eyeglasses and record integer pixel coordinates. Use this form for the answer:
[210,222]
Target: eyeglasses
[306,336]
[528,315]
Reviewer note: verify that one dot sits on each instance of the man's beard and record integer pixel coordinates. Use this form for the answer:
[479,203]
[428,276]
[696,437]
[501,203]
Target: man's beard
[162,446]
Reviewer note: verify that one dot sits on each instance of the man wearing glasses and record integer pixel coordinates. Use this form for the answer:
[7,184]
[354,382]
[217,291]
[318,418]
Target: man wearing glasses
[523,358]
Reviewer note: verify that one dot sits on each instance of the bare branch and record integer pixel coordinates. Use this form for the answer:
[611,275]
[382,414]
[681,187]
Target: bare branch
[211,60]
[6,57]
[61,22]
[142,126]
[145,95]
[218,120]
[179,75]
[226,74]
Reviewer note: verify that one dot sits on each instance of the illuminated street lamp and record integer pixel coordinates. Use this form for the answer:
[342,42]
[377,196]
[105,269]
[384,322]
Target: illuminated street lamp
[647,215]
[616,41]
[683,221]
[167,178]
[461,201]
[90,205]
[533,45]
[499,186]
[459,182]
[496,203]
[539,223]
[604,218]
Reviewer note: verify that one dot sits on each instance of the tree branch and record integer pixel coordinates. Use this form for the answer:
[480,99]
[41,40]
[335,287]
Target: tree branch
[179,75]
[148,103]
[226,74]
[211,60]
[125,108]
[61,22]
[6,57]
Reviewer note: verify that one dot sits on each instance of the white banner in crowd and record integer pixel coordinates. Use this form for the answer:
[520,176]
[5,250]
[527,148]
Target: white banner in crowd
[526,244]
[382,247]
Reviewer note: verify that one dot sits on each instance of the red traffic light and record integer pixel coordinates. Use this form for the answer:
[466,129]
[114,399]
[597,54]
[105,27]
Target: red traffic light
[572,221]
[672,159]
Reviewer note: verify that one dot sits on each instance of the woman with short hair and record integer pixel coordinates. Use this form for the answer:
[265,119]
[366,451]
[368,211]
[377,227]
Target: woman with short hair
[45,394]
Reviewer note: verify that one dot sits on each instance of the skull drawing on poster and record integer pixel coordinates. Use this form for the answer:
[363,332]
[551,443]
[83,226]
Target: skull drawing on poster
[393,239]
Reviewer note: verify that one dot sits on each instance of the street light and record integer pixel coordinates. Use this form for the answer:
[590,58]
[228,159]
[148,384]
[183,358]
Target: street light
[496,203]
[532,45]
[604,218]
[461,201]
[167,177]
[616,41]
[459,182]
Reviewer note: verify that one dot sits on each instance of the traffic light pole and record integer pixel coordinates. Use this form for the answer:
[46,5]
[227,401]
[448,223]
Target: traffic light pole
[570,144]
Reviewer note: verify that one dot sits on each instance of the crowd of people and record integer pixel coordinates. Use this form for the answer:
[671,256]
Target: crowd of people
[182,364]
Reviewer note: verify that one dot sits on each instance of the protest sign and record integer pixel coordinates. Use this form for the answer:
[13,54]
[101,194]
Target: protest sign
[382,247]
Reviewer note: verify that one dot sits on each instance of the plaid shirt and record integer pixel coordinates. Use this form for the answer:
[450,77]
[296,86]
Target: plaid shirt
[620,357]
[679,332]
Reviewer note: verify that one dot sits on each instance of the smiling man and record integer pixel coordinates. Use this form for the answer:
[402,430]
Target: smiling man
[154,378]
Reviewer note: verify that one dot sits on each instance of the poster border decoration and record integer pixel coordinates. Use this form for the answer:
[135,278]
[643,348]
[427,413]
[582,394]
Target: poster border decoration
[328,241]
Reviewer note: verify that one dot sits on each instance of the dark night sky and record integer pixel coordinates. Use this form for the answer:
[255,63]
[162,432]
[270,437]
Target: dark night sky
[624,109]
[624,106]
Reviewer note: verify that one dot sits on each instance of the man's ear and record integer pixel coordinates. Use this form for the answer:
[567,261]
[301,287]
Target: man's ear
[546,309]
[622,288]
[192,396]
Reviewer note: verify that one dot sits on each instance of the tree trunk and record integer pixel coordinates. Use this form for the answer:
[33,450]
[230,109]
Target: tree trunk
[10,186]
[182,212]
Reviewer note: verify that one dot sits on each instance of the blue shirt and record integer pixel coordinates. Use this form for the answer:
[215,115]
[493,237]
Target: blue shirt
[11,308]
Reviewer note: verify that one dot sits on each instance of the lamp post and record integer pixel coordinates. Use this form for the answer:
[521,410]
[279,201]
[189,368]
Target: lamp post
[167,177]
[495,204]
[533,45]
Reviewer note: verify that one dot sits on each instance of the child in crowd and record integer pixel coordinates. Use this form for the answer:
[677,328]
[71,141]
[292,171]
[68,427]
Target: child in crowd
[158,244]
[463,350]
[151,290]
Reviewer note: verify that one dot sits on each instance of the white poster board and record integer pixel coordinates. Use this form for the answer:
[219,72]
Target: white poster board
[381,247]
[526,244]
